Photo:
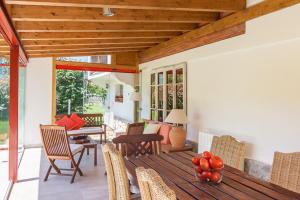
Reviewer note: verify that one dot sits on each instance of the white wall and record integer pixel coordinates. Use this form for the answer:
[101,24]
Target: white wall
[247,86]
[125,109]
[38,98]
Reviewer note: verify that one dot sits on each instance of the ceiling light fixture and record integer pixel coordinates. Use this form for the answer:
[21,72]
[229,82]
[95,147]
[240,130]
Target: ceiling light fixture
[108,12]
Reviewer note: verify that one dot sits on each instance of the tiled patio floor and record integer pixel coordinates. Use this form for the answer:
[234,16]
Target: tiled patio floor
[32,187]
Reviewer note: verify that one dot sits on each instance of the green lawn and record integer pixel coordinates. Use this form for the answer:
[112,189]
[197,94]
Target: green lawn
[3,127]
[3,131]
[96,108]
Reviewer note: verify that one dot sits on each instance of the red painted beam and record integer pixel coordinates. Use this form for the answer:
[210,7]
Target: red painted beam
[13,113]
[9,33]
[95,69]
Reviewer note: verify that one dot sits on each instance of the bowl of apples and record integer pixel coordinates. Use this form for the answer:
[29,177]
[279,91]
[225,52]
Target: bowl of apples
[208,167]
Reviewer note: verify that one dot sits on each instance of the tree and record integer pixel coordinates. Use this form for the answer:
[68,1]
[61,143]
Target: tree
[4,93]
[73,86]
[69,86]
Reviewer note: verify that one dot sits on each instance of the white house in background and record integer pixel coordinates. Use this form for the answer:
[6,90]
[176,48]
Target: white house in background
[120,87]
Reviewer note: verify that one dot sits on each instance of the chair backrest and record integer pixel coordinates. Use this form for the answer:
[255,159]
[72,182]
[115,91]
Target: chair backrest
[135,128]
[91,120]
[152,186]
[136,145]
[286,170]
[109,170]
[120,175]
[230,150]
[55,141]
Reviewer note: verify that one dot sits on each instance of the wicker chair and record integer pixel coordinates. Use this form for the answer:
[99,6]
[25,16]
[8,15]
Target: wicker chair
[109,170]
[286,170]
[152,186]
[57,147]
[117,178]
[230,150]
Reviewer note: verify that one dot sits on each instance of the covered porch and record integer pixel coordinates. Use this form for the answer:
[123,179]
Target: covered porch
[178,75]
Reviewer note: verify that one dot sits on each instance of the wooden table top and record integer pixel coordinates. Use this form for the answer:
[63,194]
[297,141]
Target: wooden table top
[177,171]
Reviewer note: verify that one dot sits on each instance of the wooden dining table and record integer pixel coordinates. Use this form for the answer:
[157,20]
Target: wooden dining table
[177,171]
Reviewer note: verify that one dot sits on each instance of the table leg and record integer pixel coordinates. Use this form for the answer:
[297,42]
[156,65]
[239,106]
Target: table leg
[95,155]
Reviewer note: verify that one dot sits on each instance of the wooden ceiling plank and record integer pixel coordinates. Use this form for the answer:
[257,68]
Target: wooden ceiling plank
[95,65]
[179,5]
[84,49]
[92,42]
[107,35]
[37,48]
[77,53]
[169,47]
[65,14]
[101,27]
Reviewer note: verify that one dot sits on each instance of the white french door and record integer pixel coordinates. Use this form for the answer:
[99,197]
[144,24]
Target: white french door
[168,90]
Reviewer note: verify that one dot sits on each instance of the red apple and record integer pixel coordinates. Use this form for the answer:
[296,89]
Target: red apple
[204,164]
[206,155]
[206,174]
[195,160]
[216,162]
[198,169]
[215,177]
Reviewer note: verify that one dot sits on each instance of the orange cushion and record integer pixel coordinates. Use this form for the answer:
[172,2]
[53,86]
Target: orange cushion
[79,122]
[164,131]
[67,122]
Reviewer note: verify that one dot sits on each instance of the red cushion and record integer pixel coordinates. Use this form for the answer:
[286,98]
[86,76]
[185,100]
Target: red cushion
[67,122]
[164,131]
[79,122]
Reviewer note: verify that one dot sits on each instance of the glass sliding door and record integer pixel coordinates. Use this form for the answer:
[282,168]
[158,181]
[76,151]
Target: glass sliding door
[21,111]
[4,118]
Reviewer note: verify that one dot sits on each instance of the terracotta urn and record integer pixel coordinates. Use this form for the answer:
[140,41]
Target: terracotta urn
[177,137]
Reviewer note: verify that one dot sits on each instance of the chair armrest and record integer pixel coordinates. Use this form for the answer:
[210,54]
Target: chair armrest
[120,133]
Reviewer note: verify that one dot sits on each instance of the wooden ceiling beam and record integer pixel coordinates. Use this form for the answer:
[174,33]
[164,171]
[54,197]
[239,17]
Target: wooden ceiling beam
[49,54]
[66,49]
[38,48]
[107,35]
[84,51]
[179,5]
[101,27]
[90,42]
[176,44]
[75,14]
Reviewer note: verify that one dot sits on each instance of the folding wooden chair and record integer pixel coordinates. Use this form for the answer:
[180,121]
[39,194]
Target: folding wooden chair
[138,145]
[57,147]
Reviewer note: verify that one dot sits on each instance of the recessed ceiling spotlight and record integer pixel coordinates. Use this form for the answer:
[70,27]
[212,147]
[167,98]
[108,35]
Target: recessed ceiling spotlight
[108,12]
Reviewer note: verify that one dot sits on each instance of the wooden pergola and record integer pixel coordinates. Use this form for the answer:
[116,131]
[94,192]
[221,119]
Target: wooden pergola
[149,28]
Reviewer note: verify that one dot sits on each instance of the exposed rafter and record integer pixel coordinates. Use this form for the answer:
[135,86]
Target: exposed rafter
[88,35]
[183,5]
[90,42]
[75,14]
[176,44]
[100,27]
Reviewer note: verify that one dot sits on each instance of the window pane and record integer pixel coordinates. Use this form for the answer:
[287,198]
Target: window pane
[153,96]
[153,115]
[160,97]
[179,75]
[169,77]
[169,97]
[152,79]
[179,96]
[160,78]
[160,115]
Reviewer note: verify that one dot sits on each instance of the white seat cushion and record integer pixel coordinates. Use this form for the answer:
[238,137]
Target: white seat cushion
[76,148]
[152,129]
[85,130]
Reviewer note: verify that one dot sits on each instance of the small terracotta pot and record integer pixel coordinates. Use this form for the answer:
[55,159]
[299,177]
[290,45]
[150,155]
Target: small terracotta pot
[177,137]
